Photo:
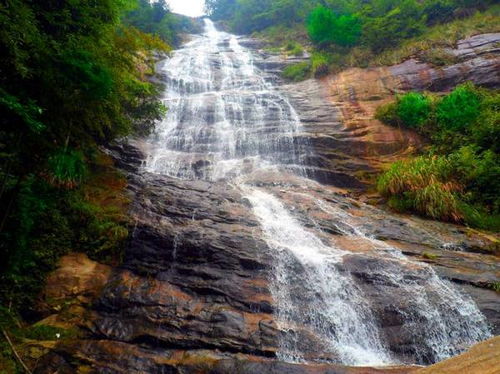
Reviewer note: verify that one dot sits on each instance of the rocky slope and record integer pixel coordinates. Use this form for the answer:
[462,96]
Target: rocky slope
[338,110]
[193,294]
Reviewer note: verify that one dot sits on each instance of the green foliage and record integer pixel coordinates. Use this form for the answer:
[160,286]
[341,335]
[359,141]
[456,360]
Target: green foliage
[461,182]
[387,114]
[438,37]
[326,27]
[320,64]
[73,77]
[220,9]
[28,113]
[51,220]
[18,333]
[458,109]
[294,49]
[402,22]
[438,57]
[411,110]
[297,72]
[155,18]
[66,167]
[383,31]
[414,109]
[424,184]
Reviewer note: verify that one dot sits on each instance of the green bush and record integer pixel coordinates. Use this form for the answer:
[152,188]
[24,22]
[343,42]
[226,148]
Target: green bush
[411,110]
[388,114]
[461,187]
[325,27]
[486,131]
[297,72]
[414,109]
[320,64]
[424,185]
[459,109]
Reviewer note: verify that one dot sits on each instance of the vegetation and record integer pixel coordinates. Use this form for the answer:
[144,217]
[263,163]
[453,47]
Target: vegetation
[297,72]
[155,18]
[361,33]
[326,27]
[458,179]
[74,77]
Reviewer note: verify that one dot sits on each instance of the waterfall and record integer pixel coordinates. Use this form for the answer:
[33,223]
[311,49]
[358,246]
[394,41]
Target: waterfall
[330,302]
[226,121]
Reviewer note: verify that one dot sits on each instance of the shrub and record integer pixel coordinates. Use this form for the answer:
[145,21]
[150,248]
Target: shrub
[325,27]
[414,109]
[459,109]
[387,114]
[320,64]
[480,174]
[404,21]
[424,185]
[297,72]
[486,131]
[66,167]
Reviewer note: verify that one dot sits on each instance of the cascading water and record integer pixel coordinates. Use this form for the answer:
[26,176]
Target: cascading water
[226,121]
[329,301]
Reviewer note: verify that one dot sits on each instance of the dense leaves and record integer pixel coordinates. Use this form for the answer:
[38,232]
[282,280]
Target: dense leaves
[376,24]
[155,18]
[73,76]
[326,27]
[459,177]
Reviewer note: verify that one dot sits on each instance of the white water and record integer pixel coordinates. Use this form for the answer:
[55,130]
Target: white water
[330,303]
[226,121]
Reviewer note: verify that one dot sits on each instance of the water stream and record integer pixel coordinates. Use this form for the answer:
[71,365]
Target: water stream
[226,121]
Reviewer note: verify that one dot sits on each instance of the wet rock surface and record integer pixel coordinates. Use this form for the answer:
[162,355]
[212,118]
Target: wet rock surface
[193,294]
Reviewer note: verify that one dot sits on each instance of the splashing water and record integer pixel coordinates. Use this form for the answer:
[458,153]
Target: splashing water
[329,301]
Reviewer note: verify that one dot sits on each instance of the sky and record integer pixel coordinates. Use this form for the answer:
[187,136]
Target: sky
[193,8]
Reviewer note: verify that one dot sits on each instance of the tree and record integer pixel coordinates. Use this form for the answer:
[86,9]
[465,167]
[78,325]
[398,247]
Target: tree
[404,21]
[325,27]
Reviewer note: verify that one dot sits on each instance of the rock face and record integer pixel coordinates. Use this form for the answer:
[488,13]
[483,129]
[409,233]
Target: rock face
[480,359]
[337,111]
[193,294]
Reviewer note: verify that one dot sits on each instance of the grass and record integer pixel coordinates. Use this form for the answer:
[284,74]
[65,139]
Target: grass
[294,49]
[89,218]
[423,185]
[441,36]
[297,72]
[429,47]
[20,334]
[280,35]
